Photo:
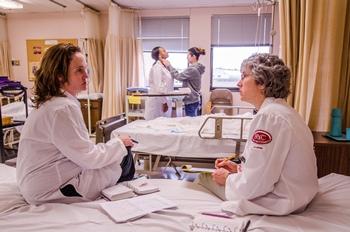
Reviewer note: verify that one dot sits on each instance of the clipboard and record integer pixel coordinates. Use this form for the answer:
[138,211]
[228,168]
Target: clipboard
[189,169]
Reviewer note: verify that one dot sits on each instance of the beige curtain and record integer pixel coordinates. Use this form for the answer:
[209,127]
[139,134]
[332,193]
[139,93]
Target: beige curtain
[121,59]
[344,90]
[4,49]
[312,36]
[4,59]
[93,46]
[95,61]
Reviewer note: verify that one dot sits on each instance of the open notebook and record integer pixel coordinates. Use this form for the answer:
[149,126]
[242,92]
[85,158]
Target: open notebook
[129,189]
[133,208]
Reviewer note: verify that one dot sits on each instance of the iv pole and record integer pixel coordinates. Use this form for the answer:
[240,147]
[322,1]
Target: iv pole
[273,31]
[259,4]
[88,88]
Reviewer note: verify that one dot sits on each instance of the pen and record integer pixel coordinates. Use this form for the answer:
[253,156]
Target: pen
[215,214]
[231,157]
[245,229]
[235,158]
[134,141]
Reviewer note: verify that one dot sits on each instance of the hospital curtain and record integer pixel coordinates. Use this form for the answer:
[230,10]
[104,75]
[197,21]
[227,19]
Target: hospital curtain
[95,60]
[93,46]
[312,37]
[4,49]
[121,63]
[344,90]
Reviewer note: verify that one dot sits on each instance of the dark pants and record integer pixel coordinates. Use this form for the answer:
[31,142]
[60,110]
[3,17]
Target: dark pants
[192,109]
[128,171]
[128,167]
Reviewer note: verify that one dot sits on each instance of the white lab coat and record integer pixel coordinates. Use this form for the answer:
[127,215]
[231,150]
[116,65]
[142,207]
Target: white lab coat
[160,81]
[55,150]
[279,177]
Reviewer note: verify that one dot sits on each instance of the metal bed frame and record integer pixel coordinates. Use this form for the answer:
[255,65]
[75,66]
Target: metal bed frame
[217,135]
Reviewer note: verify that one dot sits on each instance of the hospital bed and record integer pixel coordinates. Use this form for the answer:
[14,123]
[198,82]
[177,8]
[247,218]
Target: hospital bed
[13,98]
[207,136]
[329,211]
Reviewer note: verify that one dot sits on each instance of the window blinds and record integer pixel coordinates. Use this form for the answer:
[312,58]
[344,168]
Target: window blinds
[170,33]
[241,30]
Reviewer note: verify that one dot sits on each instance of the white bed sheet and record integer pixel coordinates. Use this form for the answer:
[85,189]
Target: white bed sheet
[329,211]
[18,216]
[179,136]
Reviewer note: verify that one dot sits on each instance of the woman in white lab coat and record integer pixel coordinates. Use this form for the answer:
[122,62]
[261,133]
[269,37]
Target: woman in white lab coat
[161,82]
[278,174]
[57,161]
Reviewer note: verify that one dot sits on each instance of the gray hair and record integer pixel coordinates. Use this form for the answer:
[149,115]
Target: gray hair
[269,71]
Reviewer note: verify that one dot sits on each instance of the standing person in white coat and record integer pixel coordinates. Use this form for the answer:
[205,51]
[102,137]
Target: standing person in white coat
[191,78]
[56,161]
[161,82]
[279,174]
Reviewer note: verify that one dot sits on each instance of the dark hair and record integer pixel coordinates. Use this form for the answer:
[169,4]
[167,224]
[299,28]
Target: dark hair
[53,72]
[155,54]
[269,71]
[196,51]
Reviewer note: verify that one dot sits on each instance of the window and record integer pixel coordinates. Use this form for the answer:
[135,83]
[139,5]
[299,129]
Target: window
[234,38]
[170,33]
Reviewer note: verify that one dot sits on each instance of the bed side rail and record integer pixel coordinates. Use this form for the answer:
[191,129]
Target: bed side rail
[236,108]
[218,132]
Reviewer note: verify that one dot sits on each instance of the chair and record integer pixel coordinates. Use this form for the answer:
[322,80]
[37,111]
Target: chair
[220,98]
[105,127]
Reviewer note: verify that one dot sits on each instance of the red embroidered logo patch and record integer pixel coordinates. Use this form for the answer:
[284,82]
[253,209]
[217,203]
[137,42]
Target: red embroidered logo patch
[261,137]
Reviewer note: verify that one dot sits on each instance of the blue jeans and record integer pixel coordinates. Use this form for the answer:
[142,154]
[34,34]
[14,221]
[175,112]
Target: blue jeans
[192,109]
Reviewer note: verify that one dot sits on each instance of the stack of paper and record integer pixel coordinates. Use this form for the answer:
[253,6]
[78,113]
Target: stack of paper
[130,209]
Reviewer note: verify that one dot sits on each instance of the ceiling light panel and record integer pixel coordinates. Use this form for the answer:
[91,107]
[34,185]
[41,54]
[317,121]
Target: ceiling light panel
[9,5]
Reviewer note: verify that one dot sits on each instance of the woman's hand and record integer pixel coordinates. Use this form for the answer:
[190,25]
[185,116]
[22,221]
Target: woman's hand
[126,140]
[165,107]
[226,164]
[220,175]
[165,62]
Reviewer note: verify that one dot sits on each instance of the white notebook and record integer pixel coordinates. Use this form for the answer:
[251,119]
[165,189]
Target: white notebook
[141,186]
[117,192]
[128,189]
[133,208]
[204,223]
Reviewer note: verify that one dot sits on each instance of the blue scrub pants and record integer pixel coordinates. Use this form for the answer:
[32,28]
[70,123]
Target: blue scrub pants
[192,109]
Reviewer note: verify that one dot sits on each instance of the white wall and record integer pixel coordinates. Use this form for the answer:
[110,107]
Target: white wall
[39,26]
[200,35]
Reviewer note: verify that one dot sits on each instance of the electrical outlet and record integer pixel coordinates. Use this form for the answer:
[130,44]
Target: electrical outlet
[15,63]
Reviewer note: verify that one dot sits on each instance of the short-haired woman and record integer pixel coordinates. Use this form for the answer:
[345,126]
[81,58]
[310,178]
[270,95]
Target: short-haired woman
[278,174]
